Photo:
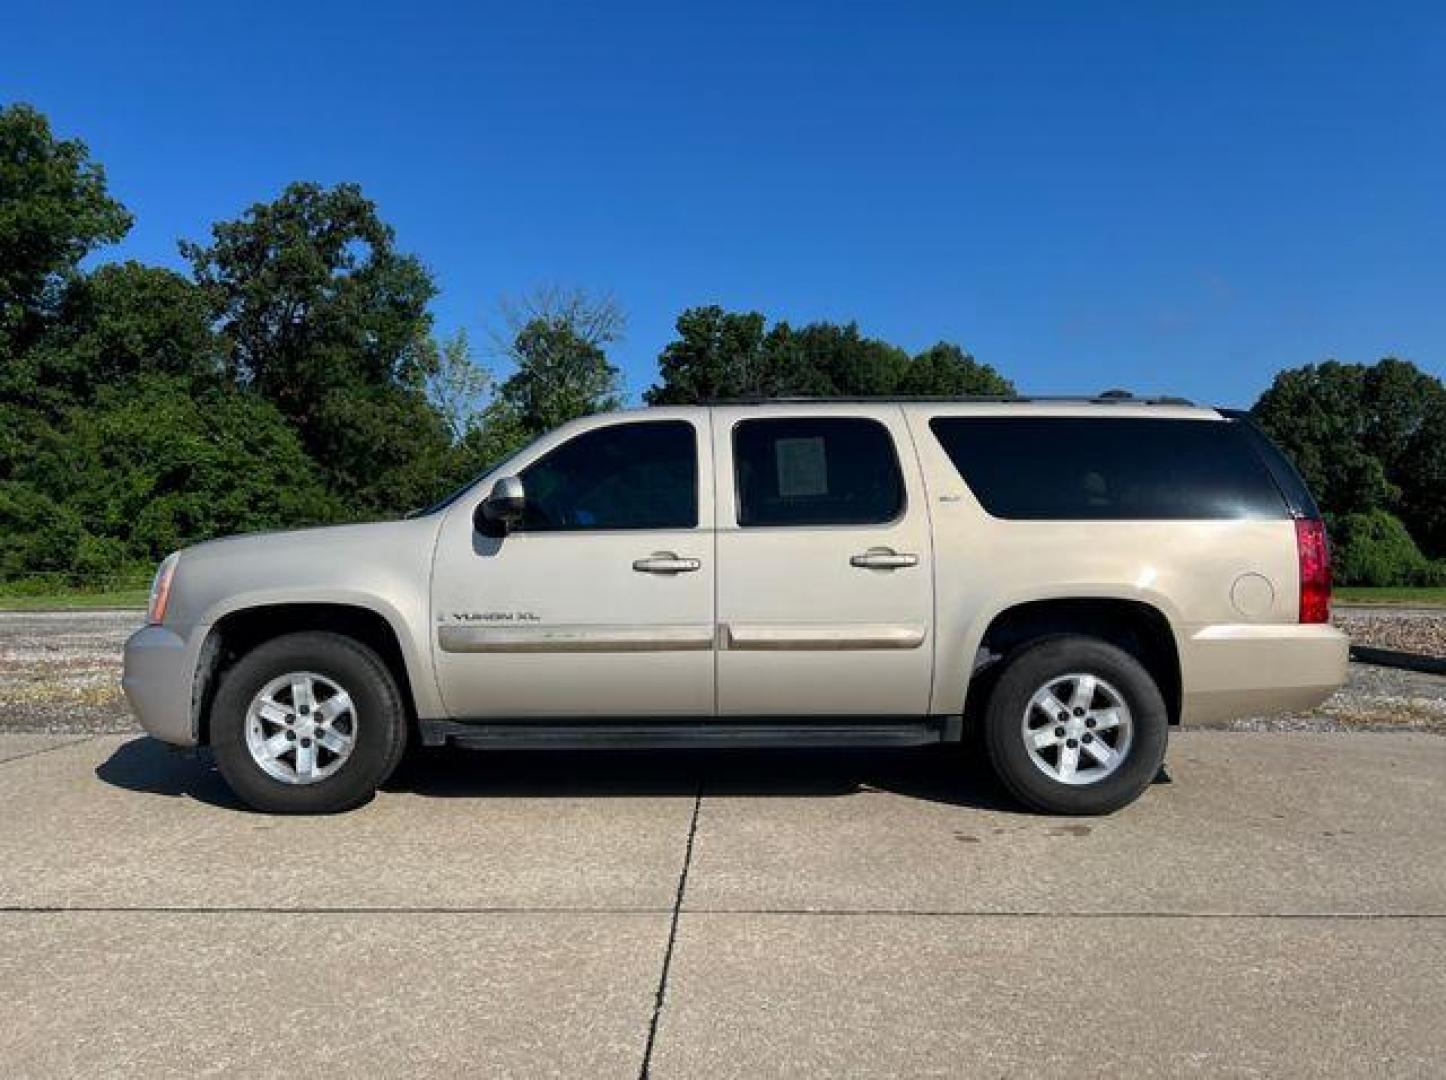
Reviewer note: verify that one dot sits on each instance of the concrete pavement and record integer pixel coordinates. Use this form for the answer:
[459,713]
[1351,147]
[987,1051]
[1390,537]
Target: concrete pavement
[1279,908]
[963,996]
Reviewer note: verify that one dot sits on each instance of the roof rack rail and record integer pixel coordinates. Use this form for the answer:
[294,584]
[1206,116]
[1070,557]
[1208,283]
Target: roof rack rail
[1108,397]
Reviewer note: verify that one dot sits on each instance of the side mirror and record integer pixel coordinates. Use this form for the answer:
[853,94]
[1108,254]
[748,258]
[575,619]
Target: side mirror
[503,508]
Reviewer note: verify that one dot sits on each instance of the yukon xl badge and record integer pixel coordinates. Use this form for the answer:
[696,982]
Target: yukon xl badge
[496,616]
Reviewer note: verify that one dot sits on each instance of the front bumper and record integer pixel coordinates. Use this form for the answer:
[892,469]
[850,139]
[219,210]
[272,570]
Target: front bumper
[1236,671]
[157,678]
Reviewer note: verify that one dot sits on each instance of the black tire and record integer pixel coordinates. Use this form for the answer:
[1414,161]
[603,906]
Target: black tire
[1035,665]
[381,723]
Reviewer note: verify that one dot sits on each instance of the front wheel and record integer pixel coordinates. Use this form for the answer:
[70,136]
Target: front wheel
[308,723]
[1076,726]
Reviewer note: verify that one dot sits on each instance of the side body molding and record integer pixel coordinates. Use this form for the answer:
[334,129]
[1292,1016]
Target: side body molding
[574,638]
[819,638]
[624,638]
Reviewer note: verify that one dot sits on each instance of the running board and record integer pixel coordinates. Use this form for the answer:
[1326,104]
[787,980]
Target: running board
[690,734]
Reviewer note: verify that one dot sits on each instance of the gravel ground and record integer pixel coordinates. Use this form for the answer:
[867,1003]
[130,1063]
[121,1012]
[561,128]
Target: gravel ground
[60,672]
[1416,630]
[1373,699]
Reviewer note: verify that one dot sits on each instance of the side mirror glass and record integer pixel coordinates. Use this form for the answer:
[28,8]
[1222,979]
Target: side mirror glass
[503,508]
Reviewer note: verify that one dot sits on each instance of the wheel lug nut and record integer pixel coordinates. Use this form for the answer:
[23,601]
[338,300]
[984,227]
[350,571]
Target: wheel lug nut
[291,735]
[1089,738]
[1062,717]
[1089,723]
[1059,733]
[1079,712]
[305,742]
[1071,743]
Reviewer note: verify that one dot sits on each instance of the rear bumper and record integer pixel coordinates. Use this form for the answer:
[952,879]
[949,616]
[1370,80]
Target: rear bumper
[1238,670]
[157,678]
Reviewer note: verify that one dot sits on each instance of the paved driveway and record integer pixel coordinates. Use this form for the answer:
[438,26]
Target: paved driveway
[1279,908]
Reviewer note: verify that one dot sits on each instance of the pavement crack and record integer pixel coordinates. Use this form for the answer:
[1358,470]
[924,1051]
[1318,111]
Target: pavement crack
[643,1071]
[314,909]
[674,912]
[1057,916]
[47,749]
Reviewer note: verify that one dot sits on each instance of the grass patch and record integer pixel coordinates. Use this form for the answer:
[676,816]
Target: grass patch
[59,592]
[73,600]
[1423,597]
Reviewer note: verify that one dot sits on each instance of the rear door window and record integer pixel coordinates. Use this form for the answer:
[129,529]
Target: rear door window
[816,471]
[1109,469]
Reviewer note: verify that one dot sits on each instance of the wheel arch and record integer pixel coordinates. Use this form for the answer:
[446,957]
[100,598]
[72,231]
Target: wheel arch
[1140,628]
[243,628]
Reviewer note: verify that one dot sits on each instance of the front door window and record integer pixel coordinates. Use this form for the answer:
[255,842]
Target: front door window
[627,476]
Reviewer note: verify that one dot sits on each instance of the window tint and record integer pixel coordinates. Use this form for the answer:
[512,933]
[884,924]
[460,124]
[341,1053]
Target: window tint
[627,476]
[1291,485]
[824,471]
[1079,468]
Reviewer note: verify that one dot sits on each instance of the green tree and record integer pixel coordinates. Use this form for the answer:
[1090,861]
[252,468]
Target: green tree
[54,210]
[1366,437]
[717,354]
[558,348]
[1423,471]
[140,410]
[457,385]
[322,316]
[1396,400]
[37,534]
[725,354]
[385,450]
[154,466]
[1375,549]
[311,295]
[948,371]
[1315,415]
[496,438]
[122,321]
[829,360]
[1406,420]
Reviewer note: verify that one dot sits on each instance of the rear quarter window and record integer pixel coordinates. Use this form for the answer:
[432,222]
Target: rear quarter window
[1297,496]
[1109,469]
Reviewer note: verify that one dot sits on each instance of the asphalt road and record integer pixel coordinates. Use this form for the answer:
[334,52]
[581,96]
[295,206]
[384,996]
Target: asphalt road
[1277,909]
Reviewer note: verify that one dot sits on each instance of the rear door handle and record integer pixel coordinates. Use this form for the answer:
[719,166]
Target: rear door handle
[883,559]
[665,562]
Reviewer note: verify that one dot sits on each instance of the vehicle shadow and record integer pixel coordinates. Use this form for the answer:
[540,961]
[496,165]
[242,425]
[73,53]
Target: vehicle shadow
[151,767]
[936,774]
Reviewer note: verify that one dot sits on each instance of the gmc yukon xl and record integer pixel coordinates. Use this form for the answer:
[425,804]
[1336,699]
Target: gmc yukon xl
[1072,576]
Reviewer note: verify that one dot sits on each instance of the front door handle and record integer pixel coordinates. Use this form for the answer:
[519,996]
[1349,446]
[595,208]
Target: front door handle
[883,559]
[665,562]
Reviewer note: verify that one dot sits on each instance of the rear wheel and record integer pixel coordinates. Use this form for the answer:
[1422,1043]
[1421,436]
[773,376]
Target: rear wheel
[1076,726]
[307,723]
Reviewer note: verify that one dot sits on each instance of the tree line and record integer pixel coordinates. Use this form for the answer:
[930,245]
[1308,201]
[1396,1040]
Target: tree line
[293,376]
[1370,440]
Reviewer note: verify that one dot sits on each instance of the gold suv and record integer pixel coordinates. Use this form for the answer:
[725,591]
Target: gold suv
[1074,576]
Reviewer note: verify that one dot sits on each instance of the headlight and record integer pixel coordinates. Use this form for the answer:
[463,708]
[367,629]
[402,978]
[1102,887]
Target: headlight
[161,590]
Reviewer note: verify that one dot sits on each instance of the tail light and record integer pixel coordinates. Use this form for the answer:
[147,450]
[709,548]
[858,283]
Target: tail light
[1315,570]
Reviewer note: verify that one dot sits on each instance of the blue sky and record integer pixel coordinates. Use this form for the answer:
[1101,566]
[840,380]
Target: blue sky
[1173,196]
